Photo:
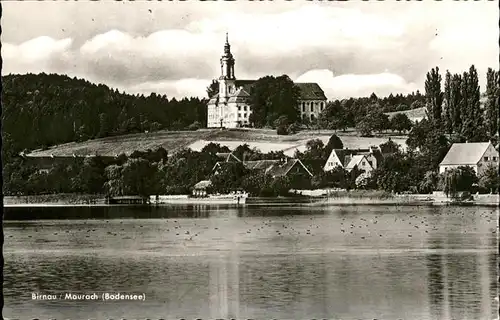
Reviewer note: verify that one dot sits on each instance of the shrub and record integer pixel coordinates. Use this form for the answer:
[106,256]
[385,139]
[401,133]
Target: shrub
[282,130]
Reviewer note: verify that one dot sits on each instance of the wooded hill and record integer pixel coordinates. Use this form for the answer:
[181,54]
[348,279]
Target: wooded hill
[41,110]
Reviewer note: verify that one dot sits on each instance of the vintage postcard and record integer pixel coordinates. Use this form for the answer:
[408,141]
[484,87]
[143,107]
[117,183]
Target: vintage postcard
[250,159]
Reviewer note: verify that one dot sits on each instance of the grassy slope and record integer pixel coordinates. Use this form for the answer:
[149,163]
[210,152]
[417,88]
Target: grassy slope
[263,139]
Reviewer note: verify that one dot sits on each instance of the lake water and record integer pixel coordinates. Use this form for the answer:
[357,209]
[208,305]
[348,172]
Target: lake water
[289,262]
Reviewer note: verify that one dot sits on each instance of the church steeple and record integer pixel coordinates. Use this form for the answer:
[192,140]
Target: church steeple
[227,62]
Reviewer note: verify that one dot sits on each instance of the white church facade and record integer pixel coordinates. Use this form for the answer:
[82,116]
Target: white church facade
[230,109]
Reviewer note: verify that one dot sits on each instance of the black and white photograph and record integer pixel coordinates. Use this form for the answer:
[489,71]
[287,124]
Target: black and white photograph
[250,160]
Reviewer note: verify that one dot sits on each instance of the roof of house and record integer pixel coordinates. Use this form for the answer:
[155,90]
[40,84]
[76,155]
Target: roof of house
[342,153]
[275,168]
[355,160]
[280,170]
[203,184]
[260,164]
[465,153]
[227,156]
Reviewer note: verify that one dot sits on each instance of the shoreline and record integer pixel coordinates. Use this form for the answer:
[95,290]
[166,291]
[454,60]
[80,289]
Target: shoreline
[305,200]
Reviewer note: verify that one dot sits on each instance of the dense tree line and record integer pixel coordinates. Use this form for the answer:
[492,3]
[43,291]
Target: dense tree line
[154,172]
[146,173]
[368,114]
[463,115]
[40,110]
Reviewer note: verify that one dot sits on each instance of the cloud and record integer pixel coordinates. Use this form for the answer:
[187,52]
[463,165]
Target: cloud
[349,48]
[357,85]
[34,55]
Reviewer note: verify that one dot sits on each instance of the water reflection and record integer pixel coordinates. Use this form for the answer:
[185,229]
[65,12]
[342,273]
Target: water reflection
[391,263]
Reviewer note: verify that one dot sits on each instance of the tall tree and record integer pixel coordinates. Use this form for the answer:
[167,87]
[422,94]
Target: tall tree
[333,143]
[492,102]
[473,128]
[455,103]
[448,109]
[271,98]
[400,122]
[434,95]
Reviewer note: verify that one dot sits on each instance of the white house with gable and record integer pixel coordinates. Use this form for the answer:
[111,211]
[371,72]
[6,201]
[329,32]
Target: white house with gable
[478,155]
[365,159]
[361,162]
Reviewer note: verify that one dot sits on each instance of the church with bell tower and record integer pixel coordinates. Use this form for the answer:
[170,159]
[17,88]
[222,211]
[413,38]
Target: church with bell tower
[230,109]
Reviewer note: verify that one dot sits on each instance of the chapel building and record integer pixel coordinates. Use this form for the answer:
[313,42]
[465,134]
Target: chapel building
[230,108]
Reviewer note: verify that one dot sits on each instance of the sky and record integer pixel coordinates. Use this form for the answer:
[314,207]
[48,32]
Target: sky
[350,48]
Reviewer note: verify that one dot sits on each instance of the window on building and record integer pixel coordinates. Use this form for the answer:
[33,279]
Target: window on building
[239,108]
[321,106]
[245,115]
[364,163]
[495,159]
[485,158]
[245,108]
[312,117]
[312,107]
[303,107]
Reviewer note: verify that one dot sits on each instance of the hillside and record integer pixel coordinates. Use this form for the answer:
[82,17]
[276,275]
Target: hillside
[264,140]
[413,114]
[49,109]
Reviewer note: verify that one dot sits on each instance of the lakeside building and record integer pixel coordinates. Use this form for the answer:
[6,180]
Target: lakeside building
[478,155]
[364,159]
[230,108]
[274,168]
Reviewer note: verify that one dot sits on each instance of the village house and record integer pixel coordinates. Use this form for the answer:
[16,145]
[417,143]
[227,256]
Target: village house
[363,159]
[274,168]
[478,155]
[200,189]
[230,108]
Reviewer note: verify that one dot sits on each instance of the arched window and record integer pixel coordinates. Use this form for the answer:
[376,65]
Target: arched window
[312,117]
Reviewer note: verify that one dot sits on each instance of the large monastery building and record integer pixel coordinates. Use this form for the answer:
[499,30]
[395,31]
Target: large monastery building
[230,109]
